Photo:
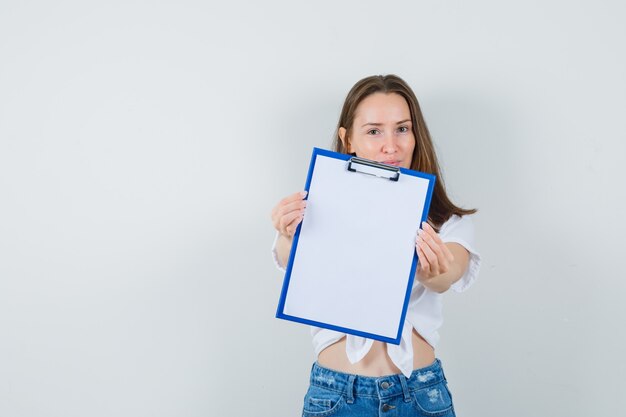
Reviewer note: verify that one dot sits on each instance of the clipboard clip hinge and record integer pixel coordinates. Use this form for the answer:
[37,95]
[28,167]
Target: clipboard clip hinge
[377,169]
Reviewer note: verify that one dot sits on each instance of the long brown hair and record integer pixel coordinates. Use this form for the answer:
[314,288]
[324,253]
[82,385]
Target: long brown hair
[424,156]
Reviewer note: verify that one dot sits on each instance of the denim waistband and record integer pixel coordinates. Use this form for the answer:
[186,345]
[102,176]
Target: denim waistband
[379,387]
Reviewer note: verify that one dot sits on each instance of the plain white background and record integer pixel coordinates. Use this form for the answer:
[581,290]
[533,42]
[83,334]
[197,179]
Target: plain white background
[143,145]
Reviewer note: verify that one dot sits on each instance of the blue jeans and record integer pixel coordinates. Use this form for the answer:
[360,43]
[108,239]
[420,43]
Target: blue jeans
[333,393]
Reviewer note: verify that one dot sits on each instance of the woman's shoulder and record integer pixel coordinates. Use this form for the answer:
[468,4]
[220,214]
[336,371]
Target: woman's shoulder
[458,226]
[455,218]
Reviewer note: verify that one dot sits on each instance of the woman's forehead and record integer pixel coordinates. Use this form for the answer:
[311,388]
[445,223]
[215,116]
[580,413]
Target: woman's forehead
[382,108]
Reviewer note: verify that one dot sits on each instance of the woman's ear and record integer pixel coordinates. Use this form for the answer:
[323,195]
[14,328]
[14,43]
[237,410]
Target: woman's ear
[342,136]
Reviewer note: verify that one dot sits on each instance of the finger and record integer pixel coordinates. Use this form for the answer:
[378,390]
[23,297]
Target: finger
[423,260]
[289,199]
[432,244]
[291,228]
[442,262]
[431,232]
[448,253]
[293,206]
[430,255]
[434,236]
[283,210]
[426,237]
[293,197]
[287,220]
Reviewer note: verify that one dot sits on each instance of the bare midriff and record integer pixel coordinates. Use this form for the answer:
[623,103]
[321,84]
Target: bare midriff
[377,362]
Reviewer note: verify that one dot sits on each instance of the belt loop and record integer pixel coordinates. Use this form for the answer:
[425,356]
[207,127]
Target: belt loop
[313,370]
[442,372]
[405,388]
[350,389]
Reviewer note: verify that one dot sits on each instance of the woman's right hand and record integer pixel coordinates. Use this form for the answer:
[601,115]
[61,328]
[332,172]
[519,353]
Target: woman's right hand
[288,214]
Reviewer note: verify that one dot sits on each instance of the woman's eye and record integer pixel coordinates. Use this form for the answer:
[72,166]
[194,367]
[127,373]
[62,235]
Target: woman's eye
[403,129]
[373,132]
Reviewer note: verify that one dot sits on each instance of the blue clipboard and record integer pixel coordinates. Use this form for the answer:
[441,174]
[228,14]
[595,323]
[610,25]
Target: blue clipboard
[352,262]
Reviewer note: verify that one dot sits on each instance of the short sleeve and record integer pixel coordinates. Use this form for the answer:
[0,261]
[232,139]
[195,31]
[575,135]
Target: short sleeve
[275,255]
[461,230]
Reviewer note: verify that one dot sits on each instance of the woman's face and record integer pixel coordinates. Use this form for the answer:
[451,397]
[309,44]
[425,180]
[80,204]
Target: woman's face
[382,130]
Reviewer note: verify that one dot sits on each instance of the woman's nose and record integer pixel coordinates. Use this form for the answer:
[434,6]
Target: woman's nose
[390,145]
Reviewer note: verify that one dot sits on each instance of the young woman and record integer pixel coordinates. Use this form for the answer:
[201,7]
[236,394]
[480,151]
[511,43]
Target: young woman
[381,120]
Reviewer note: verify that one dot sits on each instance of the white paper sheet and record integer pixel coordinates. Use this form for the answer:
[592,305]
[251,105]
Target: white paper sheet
[355,250]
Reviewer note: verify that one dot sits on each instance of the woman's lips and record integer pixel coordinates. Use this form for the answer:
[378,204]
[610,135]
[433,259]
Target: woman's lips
[395,163]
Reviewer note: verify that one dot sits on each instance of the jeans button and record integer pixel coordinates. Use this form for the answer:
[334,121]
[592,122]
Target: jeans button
[387,407]
[384,385]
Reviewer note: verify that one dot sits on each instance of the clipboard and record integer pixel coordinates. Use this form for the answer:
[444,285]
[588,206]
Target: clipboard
[353,260]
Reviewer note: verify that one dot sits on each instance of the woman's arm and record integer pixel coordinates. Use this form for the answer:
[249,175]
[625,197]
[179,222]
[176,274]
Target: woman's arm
[286,217]
[440,264]
[283,248]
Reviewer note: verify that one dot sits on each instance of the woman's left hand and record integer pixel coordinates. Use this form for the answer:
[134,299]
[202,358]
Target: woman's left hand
[434,256]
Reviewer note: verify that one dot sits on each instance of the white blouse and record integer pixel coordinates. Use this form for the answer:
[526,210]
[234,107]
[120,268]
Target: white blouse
[424,313]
